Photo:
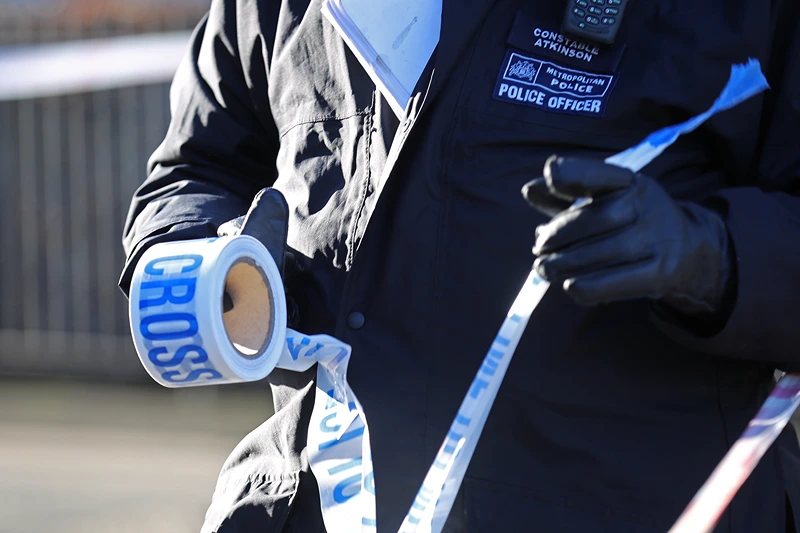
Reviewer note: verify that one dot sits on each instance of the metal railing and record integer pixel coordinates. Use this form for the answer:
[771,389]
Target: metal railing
[68,167]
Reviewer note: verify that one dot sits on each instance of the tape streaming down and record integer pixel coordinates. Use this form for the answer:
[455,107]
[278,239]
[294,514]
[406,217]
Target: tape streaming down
[184,339]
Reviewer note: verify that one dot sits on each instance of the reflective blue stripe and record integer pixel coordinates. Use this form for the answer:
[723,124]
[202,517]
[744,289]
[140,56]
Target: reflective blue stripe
[497,354]
[453,435]
[463,420]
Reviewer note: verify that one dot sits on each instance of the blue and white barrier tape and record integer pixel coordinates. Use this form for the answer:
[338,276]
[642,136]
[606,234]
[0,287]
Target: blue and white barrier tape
[36,71]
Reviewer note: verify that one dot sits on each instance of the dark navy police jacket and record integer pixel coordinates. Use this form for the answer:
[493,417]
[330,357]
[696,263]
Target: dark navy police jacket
[610,418]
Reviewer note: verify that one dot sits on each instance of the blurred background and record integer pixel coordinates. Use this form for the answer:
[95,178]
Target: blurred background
[88,443]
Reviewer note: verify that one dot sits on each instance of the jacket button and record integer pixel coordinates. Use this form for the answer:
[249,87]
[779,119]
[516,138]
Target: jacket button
[356,320]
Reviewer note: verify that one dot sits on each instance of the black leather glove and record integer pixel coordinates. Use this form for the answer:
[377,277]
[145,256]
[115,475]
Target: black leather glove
[268,221]
[630,240]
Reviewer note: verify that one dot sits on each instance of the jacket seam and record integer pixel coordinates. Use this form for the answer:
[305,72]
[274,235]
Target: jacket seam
[362,200]
[441,234]
[324,118]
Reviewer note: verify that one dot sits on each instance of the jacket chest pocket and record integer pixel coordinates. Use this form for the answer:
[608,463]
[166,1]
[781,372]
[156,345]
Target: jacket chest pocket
[324,106]
[542,87]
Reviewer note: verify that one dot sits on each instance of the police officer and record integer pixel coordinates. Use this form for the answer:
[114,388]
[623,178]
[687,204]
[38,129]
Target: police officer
[676,288]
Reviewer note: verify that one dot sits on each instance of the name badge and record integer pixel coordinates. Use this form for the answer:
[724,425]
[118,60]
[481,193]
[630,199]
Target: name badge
[546,70]
[546,41]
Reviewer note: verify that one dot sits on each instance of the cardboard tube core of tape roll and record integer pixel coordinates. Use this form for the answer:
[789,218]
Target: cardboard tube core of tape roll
[249,324]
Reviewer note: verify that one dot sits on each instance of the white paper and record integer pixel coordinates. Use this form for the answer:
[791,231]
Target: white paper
[392,40]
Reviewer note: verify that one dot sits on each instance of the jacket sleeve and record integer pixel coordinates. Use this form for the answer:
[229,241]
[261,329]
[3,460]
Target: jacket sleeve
[221,144]
[764,224]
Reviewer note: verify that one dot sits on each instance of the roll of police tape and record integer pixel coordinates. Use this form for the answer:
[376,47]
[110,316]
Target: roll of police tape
[181,334]
[184,338]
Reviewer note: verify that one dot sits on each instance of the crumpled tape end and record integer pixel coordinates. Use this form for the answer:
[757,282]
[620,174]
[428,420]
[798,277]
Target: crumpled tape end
[746,80]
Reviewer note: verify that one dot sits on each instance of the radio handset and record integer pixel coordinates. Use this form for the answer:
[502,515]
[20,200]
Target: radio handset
[593,20]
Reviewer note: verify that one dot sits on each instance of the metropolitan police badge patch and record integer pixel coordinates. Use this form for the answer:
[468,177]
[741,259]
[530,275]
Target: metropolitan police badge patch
[547,85]
[556,78]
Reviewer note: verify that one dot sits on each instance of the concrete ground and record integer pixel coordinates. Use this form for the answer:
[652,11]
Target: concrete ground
[99,458]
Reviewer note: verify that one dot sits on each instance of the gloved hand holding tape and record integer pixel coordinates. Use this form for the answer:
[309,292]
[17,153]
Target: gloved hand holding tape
[185,337]
[213,311]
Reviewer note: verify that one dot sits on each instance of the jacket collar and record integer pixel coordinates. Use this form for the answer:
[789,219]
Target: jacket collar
[461,20]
